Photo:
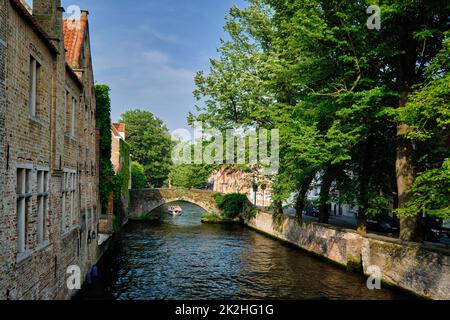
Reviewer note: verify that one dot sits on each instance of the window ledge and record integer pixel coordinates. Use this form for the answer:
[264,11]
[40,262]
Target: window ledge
[69,231]
[35,120]
[44,245]
[70,137]
[24,256]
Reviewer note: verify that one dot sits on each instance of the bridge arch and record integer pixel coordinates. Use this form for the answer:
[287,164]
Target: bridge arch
[143,201]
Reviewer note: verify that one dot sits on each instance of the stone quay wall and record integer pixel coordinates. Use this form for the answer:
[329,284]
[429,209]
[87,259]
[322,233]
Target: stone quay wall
[418,268]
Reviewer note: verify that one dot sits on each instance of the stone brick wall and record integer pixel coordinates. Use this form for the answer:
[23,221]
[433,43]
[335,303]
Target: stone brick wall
[338,245]
[28,142]
[421,269]
[3,44]
[106,224]
[41,143]
[229,180]
[87,136]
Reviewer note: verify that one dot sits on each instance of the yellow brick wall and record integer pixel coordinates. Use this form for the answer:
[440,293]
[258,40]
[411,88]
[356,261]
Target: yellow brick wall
[37,142]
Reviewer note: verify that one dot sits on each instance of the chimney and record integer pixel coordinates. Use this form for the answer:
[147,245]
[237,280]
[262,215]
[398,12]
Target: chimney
[49,14]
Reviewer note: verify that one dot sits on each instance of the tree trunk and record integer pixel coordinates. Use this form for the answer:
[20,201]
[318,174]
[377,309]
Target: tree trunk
[278,207]
[410,229]
[363,198]
[301,197]
[325,187]
[364,184]
[362,221]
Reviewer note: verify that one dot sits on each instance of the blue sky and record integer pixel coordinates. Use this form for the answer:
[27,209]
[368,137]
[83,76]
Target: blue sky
[148,51]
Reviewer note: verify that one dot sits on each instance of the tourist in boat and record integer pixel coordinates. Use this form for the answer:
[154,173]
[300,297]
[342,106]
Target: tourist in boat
[175,210]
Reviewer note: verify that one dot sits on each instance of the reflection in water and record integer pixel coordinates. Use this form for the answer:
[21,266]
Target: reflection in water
[179,258]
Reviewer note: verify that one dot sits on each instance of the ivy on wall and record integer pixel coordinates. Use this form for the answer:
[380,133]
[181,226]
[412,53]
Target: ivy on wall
[103,122]
[117,184]
[138,178]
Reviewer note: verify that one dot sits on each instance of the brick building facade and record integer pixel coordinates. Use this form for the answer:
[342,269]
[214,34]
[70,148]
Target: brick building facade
[3,32]
[120,159]
[229,179]
[48,168]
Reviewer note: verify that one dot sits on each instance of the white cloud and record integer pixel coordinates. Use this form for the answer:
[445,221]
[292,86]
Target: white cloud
[154,56]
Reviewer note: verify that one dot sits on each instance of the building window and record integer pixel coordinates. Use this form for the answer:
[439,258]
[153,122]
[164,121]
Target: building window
[24,194]
[34,75]
[66,99]
[64,219]
[72,197]
[72,117]
[85,189]
[42,202]
[68,199]
[93,211]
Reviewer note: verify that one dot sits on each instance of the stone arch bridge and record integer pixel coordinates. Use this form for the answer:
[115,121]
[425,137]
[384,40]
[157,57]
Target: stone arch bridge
[143,201]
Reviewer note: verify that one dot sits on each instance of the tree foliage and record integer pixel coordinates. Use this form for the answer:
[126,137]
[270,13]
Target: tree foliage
[189,176]
[232,205]
[428,116]
[150,144]
[338,93]
[138,178]
[103,123]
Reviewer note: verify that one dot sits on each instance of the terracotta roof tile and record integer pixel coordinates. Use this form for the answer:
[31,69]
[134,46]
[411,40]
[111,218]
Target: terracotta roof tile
[120,127]
[74,30]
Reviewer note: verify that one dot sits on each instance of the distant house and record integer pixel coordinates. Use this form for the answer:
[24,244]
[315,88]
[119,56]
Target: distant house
[119,148]
[120,159]
[334,208]
[248,181]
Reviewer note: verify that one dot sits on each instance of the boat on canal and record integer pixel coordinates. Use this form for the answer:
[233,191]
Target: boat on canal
[175,210]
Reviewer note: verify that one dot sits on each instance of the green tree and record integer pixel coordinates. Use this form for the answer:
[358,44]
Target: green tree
[427,115]
[191,176]
[150,144]
[313,70]
[138,178]
[411,38]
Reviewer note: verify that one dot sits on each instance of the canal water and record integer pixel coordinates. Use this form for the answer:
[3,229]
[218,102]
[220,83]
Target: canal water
[181,258]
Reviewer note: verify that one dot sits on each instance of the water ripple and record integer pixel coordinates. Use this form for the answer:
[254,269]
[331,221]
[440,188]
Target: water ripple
[179,258]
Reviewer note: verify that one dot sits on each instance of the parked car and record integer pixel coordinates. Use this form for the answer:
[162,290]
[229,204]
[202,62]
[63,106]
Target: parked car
[434,230]
[384,223]
[311,209]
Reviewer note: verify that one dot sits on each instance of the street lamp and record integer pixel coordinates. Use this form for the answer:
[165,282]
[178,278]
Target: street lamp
[224,185]
[255,189]
[263,188]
